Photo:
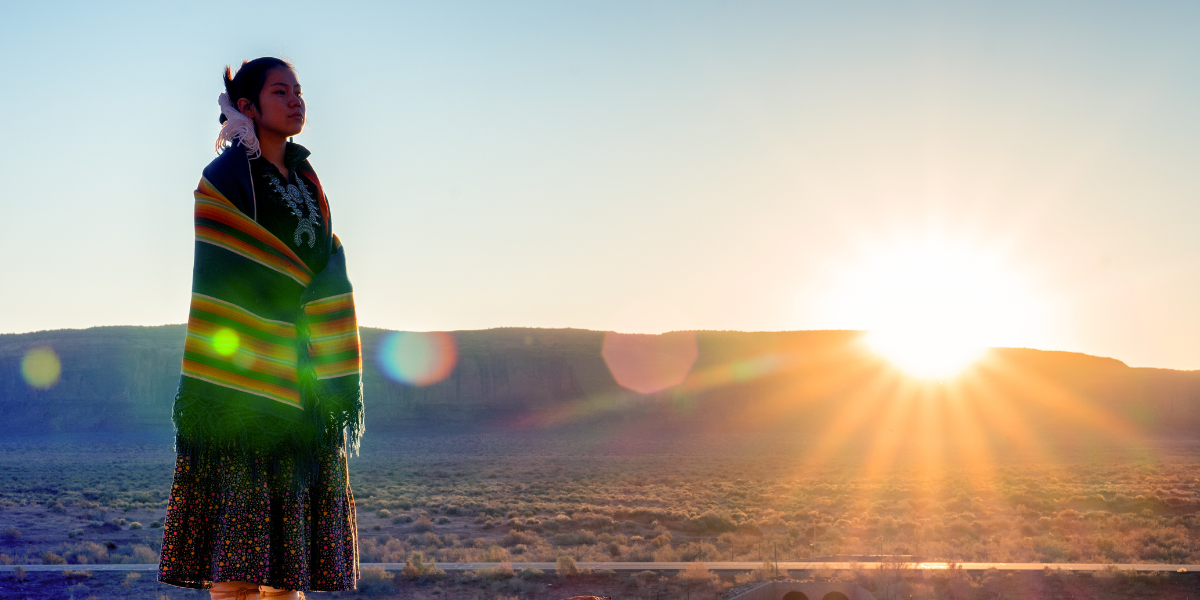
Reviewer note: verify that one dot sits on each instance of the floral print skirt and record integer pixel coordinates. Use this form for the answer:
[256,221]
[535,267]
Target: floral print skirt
[242,519]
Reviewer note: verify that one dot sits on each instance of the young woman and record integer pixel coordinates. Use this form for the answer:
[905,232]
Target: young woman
[270,396]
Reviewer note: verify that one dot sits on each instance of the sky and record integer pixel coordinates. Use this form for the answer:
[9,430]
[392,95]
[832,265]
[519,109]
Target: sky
[1024,170]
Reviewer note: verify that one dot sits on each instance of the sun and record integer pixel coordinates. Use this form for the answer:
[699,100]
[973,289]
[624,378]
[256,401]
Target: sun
[933,306]
[930,356]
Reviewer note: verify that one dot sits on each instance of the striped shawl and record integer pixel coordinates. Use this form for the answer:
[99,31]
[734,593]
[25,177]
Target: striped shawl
[272,360]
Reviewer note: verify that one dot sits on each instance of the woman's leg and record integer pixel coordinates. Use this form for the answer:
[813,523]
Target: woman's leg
[233,590]
[266,592]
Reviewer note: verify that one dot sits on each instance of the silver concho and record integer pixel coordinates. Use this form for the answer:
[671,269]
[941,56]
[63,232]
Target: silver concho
[304,227]
[298,199]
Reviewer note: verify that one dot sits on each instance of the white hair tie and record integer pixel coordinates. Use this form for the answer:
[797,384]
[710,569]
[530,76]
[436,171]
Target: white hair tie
[237,127]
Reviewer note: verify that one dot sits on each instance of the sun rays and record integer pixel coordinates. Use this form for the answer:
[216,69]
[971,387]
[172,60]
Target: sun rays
[934,303]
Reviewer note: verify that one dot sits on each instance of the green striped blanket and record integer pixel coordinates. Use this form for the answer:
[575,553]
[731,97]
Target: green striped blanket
[272,359]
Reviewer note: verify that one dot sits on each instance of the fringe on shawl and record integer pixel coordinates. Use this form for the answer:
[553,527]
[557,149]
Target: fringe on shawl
[202,425]
[328,409]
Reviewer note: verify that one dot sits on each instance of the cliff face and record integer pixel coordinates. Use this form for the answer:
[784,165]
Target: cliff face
[113,378]
[124,379]
[499,374]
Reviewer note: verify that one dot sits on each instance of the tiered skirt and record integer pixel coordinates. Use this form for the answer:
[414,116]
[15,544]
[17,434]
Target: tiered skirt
[242,518]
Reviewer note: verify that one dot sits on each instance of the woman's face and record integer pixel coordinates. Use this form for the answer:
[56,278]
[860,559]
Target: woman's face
[280,108]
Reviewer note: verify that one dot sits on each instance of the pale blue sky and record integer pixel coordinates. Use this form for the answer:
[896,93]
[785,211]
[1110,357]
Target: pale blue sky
[645,166]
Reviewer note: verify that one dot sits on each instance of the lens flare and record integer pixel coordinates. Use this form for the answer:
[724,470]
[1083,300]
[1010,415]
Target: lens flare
[41,368]
[649,363]
[225,342]
[417,358]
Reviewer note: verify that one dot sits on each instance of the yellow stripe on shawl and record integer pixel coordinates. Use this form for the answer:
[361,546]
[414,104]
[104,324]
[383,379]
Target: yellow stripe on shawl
[234,312]
[225,378]
[334,345]
[241,359]
[331,304]
[336,327]
[238,219]
[350,366]
[213,206]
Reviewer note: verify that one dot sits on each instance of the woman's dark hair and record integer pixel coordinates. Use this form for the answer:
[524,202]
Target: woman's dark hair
[248,83]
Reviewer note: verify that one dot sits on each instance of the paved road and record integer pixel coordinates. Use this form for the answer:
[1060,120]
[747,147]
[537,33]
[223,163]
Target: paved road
[675,566]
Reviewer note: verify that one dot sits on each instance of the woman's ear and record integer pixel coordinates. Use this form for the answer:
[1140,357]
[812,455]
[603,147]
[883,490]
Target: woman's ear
[246,107]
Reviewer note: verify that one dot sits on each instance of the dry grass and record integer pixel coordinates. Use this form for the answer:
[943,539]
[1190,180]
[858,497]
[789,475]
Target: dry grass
[431,499]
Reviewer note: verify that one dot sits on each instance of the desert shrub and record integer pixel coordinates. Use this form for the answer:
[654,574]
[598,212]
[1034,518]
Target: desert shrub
[492,553]
[443,520]
[638,553]
[1052,550]
[502,571]
[556,523]
[155,524]
[513,538]
[424,523]
[87,553]
[710,522]
[566,566]
[398,519]
[374,580]
[417,569]
[697,573]
[426,540]
[135,525]
[383,513]
[593,521]
[50,558]
[701,551]
[10,534]
[530,573]
[575,538]
[144,555]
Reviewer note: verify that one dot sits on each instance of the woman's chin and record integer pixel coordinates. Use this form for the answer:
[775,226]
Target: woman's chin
[283,132]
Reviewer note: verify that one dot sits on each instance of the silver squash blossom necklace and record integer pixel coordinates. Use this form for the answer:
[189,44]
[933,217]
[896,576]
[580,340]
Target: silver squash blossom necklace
[298,199]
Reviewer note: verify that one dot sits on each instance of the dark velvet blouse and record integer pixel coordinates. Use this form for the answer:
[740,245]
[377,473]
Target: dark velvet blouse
[294,208]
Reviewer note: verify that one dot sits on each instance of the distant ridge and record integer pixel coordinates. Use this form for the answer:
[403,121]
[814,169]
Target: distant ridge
[124,379]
